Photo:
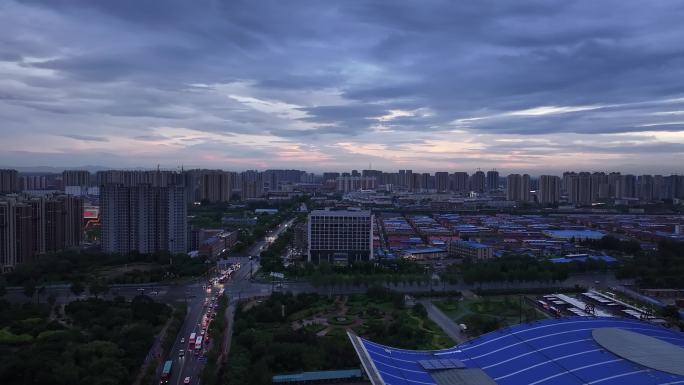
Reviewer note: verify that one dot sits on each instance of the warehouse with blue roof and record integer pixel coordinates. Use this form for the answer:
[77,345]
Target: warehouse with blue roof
[565,351]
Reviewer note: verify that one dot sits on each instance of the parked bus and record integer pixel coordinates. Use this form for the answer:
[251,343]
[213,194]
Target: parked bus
[191,341]
[166,372]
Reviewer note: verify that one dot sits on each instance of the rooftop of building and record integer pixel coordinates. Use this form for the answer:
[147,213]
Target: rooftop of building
[473,244]
[569,351]
[340,213]
[580,233]
[326,375]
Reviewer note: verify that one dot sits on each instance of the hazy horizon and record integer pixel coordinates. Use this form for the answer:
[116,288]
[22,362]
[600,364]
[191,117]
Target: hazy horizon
[502,173]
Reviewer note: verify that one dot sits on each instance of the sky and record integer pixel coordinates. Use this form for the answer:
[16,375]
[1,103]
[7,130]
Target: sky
[537,86]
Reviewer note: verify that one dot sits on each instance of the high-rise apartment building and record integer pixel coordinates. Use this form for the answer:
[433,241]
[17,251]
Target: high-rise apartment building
[143,218]
[599,186]
[126,178]
[340,237]
[374,173]
[407,180]
[518,188]
[425,182]
[33,182]
[35,225]
[251,184]
[63,221]
[215,186]
[645,187]
[347,184]
[459,182]
[8,235]
[274,180]
[579,188]
[626,187]
[549,189]
[659,187]
[9,181]
[478,182]
[492,180]
[442,181]
[79,178]
[330,176]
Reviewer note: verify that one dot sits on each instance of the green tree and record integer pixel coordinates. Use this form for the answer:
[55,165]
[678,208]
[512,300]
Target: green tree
[97,287]
[40,290]
[52,299]
[77,288]
[420,310]
[30,288]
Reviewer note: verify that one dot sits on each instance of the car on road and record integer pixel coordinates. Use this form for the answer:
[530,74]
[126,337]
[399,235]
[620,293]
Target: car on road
[181,353]
[183,340]
[186,380]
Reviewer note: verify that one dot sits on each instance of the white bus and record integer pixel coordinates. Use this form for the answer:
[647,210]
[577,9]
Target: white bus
[198,345]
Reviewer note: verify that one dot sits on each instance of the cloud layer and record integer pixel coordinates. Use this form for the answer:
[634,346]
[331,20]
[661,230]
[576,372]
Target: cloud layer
[533,85]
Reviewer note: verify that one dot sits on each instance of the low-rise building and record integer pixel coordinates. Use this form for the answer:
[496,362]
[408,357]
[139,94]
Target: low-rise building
[218,244]
[425,253]
[471,249]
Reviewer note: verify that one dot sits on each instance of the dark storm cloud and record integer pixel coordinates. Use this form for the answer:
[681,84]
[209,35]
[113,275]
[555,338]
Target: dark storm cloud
[314,73]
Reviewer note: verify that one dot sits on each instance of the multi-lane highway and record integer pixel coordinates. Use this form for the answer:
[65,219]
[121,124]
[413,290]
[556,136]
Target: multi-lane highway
[202,303]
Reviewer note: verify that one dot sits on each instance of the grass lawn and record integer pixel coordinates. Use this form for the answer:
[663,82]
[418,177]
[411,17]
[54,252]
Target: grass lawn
[506,309]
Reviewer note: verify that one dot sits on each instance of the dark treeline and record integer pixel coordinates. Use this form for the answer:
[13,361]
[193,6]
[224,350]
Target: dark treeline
[662,269]
[81,266]
[610,242]
[511,269]
[99,342]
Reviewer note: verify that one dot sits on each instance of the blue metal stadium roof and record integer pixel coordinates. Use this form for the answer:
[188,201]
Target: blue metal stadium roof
[548,352]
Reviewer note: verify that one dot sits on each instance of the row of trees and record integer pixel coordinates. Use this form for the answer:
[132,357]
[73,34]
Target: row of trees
[267,222]
[612,243]
[396,266]
[358,279]
[80,266]
[271,258]
[211,374]
[511,269]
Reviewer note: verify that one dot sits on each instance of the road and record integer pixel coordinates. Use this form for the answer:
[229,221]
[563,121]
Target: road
[191,365]
[450,327]
[238,286]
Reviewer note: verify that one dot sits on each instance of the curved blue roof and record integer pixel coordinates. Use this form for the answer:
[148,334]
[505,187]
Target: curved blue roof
[548,352]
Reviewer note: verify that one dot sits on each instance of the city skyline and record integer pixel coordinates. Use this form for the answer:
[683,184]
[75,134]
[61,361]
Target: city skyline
[31,172]
[524,87]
